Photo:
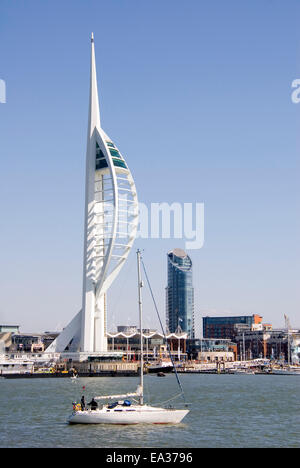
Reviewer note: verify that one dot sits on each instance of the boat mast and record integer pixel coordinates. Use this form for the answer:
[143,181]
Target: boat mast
[288,327]
[140,285]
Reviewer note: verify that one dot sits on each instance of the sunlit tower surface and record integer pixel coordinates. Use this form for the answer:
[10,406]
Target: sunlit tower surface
[111,216]
[110,226]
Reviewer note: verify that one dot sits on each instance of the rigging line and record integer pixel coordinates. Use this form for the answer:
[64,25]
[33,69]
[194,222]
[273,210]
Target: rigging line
[168,347]
[170,399]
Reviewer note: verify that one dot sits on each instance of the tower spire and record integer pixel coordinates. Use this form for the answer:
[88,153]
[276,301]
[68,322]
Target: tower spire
[105,246]
[94,111]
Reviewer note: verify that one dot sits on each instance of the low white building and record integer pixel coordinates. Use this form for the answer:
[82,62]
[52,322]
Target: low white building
[216,356]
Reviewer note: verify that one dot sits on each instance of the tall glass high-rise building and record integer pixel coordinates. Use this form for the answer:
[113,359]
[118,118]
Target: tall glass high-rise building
[180,293]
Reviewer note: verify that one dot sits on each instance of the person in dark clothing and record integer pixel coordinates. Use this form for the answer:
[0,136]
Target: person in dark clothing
[93,404]
[82,402]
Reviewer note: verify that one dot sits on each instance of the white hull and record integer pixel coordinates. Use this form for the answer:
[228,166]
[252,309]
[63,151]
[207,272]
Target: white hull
[132,415]
[285,372]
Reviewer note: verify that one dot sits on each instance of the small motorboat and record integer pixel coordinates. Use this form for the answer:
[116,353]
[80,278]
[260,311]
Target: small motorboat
[160,366]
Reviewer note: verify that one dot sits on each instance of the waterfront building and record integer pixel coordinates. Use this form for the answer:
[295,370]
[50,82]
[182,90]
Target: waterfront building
[277,345]
[227,327]
[28,342]
[6,333]
[110,225]
[156,346]
[209,349]
[180,293]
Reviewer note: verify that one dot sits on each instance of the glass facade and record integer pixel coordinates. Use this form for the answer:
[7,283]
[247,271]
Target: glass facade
[100,164]
[119,163]
[225,327]
[180,293]
[115,153]
[100,158]
[116,157]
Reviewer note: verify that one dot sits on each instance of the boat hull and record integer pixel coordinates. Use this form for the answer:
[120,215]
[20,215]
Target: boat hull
[135,415]
[285,372]
[157,369]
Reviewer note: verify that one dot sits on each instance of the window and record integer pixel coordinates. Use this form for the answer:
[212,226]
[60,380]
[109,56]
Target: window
[100,158]
[109,143]
[115,153]
[101,163]
[99,153]
[119,163]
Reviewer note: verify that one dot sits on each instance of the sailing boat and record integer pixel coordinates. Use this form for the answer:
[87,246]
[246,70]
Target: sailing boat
[124,411]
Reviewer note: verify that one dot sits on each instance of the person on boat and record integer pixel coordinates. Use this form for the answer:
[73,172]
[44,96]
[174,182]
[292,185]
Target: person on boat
[93,404]
[82,402]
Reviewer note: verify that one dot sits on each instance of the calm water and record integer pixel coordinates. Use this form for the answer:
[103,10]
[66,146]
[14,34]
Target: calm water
[226,411]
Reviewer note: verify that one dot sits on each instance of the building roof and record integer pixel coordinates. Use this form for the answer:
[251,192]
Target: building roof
[179,253]
[182,335]
[9,326]
[180,260]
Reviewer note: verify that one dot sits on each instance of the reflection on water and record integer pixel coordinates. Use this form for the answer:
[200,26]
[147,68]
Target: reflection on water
[225,411]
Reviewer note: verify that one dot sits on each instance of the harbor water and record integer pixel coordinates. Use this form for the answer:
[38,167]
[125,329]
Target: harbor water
[225,411]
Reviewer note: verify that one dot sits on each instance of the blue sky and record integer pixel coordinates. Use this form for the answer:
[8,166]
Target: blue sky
[197,95]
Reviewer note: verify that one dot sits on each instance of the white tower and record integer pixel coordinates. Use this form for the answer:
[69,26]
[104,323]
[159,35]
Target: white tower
[110,225]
